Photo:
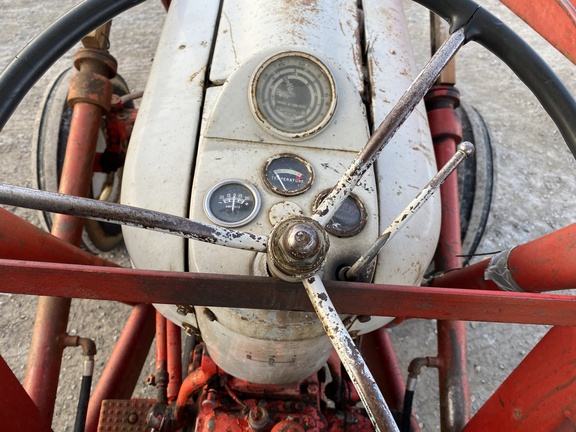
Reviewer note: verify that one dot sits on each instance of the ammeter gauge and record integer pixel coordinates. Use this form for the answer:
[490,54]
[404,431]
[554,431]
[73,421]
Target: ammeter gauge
[287,174]
[349,219]
[232,203]
[293,95]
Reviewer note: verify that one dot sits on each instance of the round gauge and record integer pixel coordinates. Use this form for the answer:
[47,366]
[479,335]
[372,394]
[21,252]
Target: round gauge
[293,95]
[288,174]
[349,219]
[232,203]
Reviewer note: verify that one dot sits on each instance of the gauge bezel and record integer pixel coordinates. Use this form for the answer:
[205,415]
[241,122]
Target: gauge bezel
[257,112]
[301,190]
[244,221]
[344,233]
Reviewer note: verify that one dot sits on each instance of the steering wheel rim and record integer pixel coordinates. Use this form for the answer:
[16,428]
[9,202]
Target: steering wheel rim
[484,28]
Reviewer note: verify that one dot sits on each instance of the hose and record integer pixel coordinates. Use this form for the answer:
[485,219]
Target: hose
[85,387]
[41,53]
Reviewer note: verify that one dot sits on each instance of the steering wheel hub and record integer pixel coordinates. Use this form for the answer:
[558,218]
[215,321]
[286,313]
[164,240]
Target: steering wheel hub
[297,249]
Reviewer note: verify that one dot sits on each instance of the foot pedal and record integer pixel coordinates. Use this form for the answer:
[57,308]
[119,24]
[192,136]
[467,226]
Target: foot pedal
[124,415]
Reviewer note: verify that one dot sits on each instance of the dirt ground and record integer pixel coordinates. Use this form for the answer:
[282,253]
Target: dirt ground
[535,185]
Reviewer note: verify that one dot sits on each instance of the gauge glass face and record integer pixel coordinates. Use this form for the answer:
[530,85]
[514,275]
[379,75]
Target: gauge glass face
[288,174]
[232,203]
[293,95]
[349,219]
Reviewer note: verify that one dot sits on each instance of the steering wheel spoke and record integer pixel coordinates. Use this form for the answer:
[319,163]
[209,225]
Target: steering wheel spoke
[350,356]
[403,108]
[130,216]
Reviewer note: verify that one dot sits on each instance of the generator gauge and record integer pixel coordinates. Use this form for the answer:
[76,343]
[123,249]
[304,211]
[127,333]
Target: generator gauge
[349,219]
[232,203]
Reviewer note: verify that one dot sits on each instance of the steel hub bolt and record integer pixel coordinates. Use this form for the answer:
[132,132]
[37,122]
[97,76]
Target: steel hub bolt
[297,248]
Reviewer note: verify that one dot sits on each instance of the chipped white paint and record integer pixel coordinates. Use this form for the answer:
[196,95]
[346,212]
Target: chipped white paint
[281,211]
[249,27]
[233,144]
[162,149]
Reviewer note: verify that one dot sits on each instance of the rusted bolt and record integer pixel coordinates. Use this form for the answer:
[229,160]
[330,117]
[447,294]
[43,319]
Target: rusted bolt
[190,329]
[312,388]
[132,418]
[300,241]
[258,418]
[183,310]
[151,380]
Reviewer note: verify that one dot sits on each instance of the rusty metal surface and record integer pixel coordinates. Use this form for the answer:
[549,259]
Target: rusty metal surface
[174,360]
[121,415]
[50,325]
[446,130]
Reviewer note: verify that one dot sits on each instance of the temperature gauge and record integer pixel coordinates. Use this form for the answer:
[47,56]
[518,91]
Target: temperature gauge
[232,203]
[349,219]
[287,174]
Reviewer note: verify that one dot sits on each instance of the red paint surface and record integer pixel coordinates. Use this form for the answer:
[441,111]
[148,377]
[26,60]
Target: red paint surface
[545,264]
[17,411]
[540,395]
[555,20]
[145,286]
[446,130]
[174,360]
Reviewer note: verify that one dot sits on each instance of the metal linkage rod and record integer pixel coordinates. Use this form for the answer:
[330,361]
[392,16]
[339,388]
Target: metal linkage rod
[131,216]
[351,358]
[388,128]
[464,150]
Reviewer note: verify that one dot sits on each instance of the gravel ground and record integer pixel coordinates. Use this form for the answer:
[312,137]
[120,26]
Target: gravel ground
[534,189]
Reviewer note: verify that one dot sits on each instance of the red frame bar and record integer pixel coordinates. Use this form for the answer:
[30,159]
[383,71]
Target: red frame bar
[146,286]
[20,240]
[446,130]
[174,360]
[545,264]
[540,394]
[18,412]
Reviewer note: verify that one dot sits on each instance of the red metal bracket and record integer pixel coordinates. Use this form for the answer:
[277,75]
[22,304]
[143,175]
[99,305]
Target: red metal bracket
[17,411]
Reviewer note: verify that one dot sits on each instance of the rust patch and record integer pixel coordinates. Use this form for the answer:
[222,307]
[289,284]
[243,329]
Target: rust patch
[195,74]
